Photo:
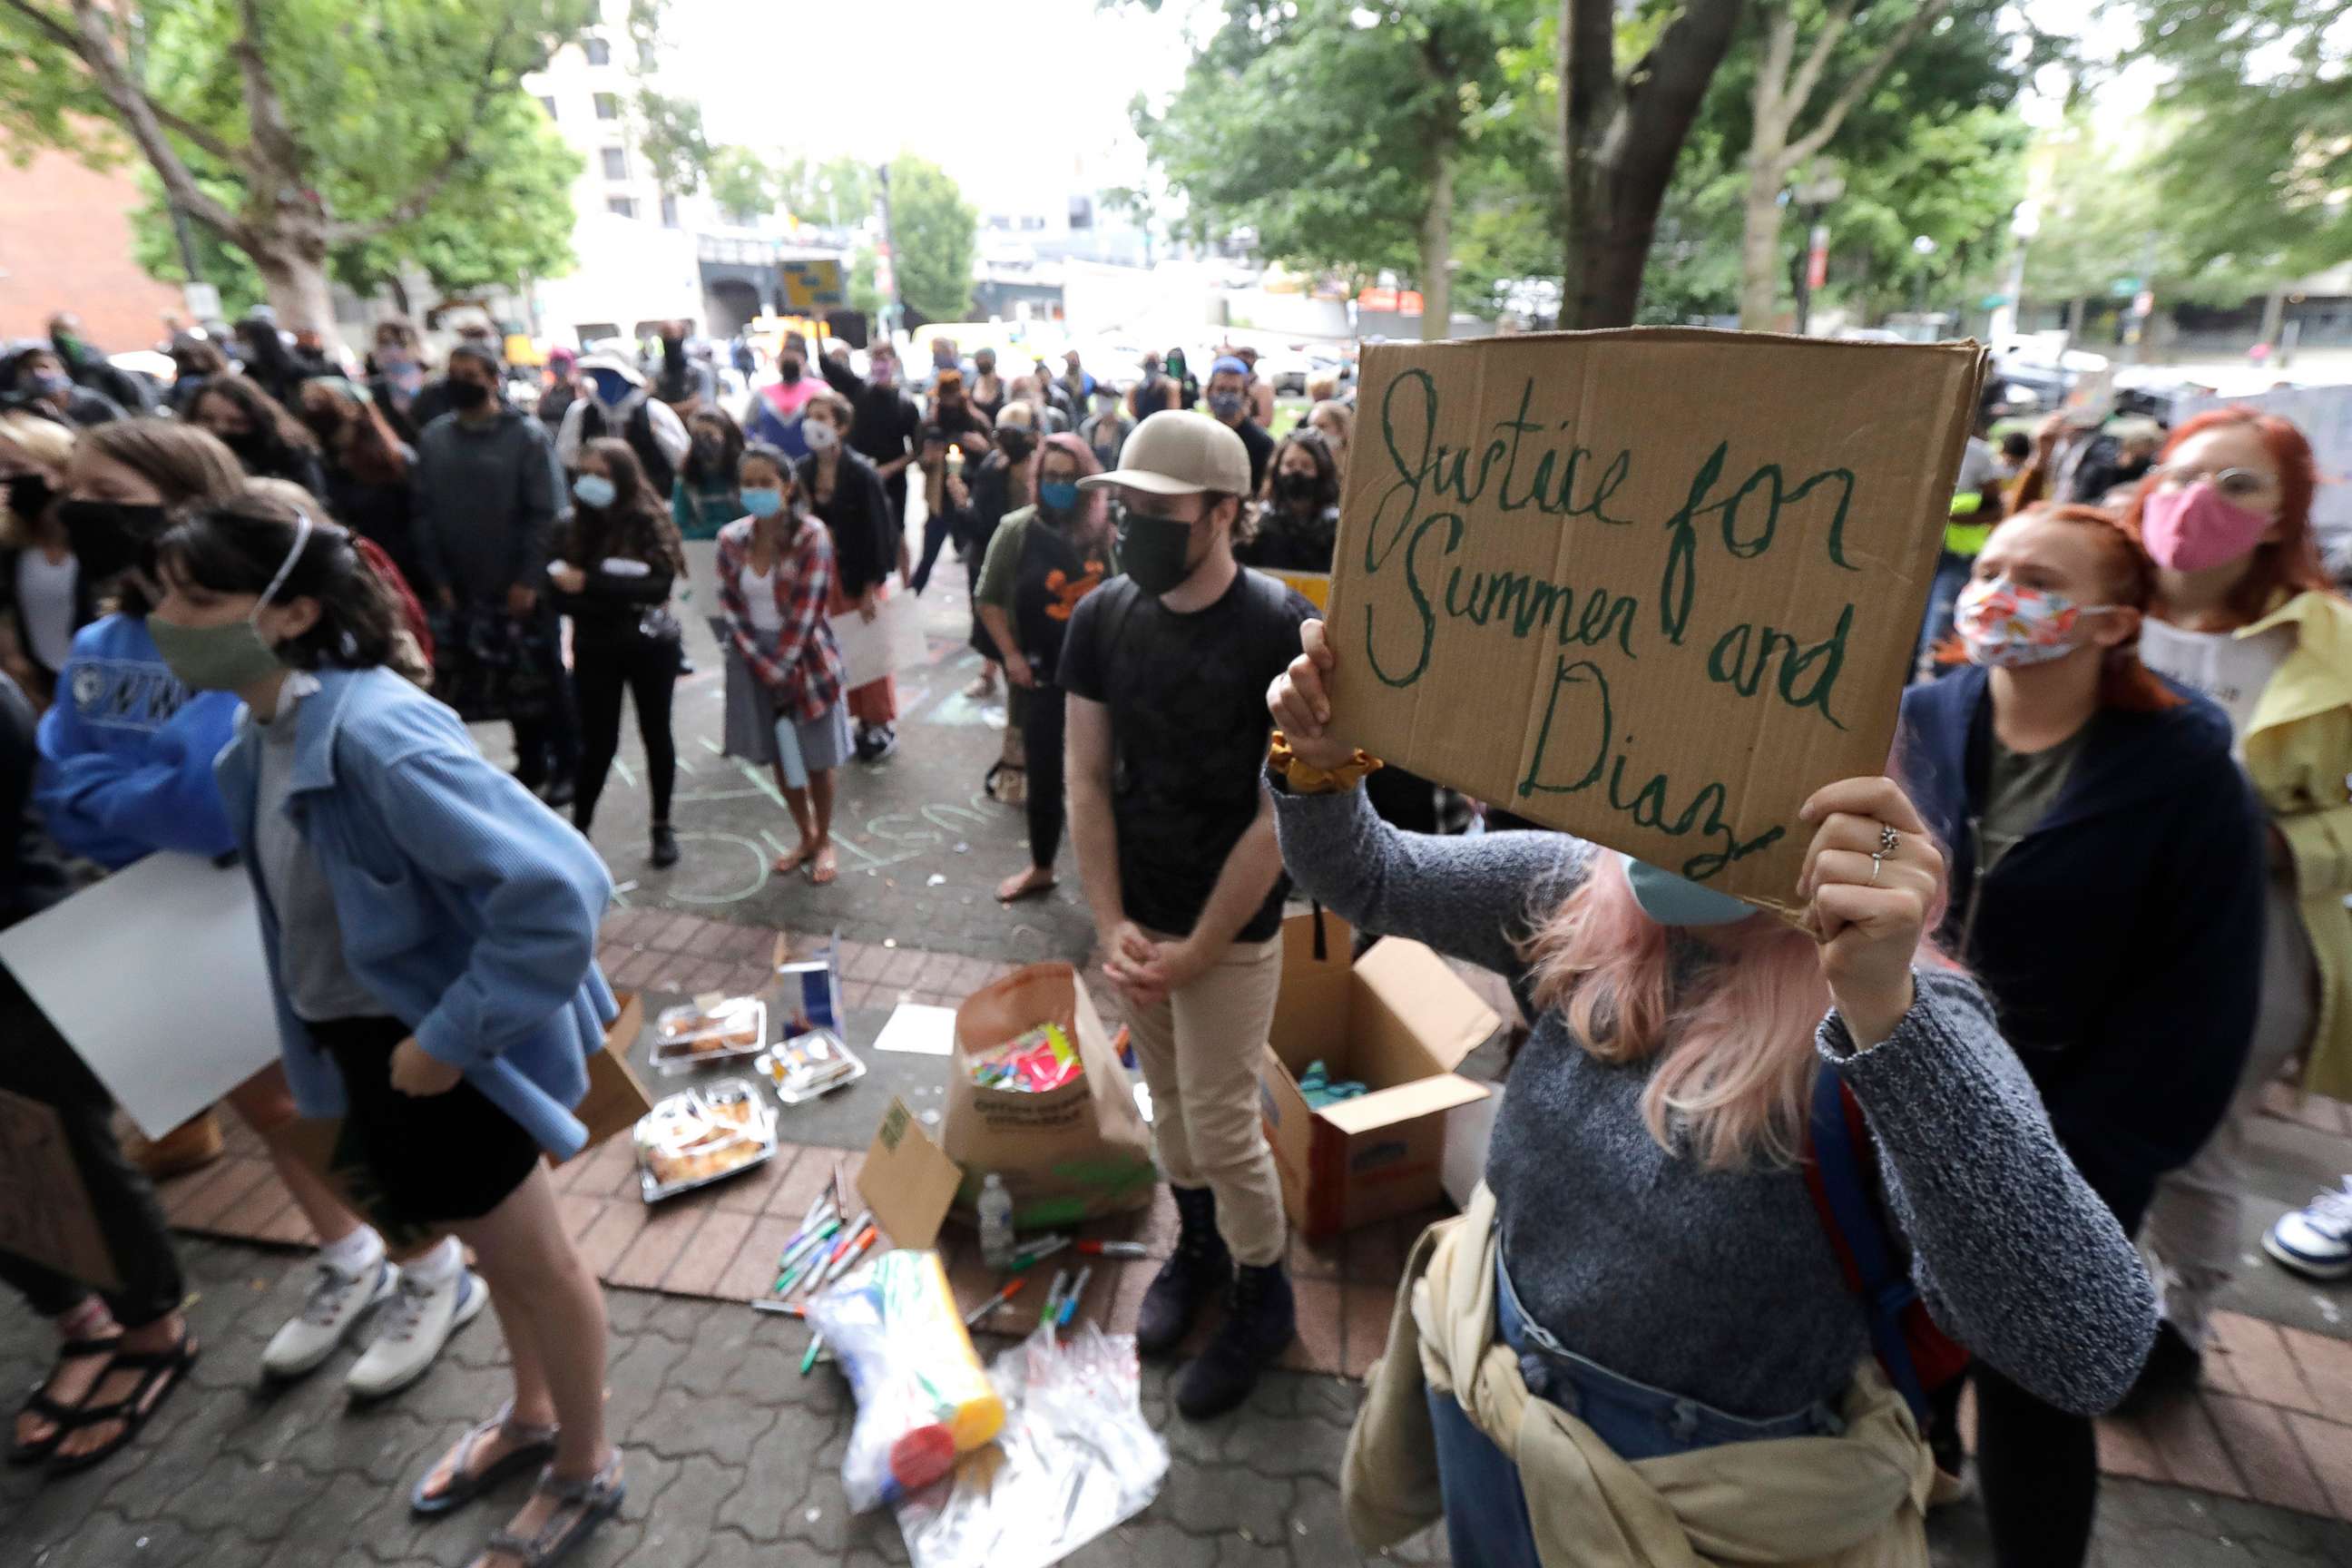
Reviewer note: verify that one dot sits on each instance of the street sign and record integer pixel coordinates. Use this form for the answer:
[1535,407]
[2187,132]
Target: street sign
[201,299]
[1993,302]
[2125,288]
[813,285]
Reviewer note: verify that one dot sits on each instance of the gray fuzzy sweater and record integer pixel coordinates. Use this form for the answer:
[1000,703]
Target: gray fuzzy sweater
[1721,1285]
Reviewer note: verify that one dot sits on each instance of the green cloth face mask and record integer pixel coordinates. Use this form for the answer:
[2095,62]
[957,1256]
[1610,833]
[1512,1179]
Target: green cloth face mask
[1155,550]
[232,657]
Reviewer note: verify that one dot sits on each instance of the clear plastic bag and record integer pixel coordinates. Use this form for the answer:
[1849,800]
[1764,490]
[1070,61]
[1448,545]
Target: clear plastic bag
[1074,1459]
[922,1398]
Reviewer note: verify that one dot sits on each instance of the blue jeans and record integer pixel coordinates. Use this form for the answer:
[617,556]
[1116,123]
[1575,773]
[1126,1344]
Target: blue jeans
[1487,1521]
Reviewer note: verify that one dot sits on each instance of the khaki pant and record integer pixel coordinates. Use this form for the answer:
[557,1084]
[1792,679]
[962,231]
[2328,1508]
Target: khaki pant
[2190,1233]
[1199,1051]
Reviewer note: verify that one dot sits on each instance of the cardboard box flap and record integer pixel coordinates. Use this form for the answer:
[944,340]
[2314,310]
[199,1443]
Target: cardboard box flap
[1424,994]
[1406,1102]
[1310,1011]
[907,1179]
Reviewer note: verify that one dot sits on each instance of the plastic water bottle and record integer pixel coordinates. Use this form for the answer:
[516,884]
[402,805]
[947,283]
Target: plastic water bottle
[995,1223]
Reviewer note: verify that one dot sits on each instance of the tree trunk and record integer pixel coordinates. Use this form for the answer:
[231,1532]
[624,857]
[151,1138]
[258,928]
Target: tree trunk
[1759,243]
[296,286]
[1437,246]
[2274,315]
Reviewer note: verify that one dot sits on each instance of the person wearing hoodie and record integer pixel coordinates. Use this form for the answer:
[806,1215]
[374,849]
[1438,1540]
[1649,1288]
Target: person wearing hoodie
[2246,615]
[487,494]
[2107,892]
[126,770]
[621,403]
[89,367]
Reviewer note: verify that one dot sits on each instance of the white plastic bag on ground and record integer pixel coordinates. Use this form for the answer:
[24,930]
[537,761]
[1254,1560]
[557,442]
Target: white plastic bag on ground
[1074,1459]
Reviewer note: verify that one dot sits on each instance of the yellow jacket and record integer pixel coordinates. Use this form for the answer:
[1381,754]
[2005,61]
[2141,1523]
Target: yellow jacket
[2298,748]
[1850,1502]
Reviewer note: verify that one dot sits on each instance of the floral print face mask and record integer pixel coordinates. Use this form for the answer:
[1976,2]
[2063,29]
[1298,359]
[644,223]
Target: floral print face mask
[2006,625]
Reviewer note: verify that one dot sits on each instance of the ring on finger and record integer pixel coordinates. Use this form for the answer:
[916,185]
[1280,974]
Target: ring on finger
[1888,841]
[1877,864]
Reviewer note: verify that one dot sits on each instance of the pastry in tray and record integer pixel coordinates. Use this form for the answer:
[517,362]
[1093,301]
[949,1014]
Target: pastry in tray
[702,1134]
[733,1024]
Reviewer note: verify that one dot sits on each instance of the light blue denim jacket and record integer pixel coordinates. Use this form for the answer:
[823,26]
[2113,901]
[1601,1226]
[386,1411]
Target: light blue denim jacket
[467,908]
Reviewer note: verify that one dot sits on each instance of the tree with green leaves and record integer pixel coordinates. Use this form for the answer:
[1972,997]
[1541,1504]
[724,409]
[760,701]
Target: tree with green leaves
[292,130]
[671,138]
[932,229]
[1351,138]
[1798,105]
[744,182]
[837,193]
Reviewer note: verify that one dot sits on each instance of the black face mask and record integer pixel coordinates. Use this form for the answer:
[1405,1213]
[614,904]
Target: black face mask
[1296,489]
[1017,445]
[28,495]
[468,394]
[325,424]
[788,371]
[246,443]
[108,538]
[710,451]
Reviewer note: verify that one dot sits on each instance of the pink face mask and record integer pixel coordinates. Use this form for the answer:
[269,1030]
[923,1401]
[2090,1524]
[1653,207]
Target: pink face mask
[2197,528]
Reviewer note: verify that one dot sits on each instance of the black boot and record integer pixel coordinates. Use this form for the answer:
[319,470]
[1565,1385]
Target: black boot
[665,847]
[1260,1322]
[1200,1269]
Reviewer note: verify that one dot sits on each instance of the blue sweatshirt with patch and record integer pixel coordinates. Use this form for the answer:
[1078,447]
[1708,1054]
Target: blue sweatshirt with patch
[126,752]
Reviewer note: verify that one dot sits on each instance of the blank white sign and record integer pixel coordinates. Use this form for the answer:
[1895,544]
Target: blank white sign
[155,976]
[884,646]
[919,1030]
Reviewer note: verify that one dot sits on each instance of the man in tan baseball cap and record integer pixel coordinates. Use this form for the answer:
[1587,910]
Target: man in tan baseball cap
[1164,671]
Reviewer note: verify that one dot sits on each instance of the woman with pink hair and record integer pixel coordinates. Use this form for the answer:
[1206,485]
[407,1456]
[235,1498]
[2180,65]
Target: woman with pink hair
[1041,562]
[1642,1331]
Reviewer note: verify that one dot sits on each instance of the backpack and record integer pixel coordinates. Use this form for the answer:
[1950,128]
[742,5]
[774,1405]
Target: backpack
[1842,1175]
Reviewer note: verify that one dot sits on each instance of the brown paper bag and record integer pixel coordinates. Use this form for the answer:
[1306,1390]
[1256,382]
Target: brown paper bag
[614,1101]
[1073,1153]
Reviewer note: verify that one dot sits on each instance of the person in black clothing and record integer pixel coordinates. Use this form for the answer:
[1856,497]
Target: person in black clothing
[1299,511]
[397,374]
[2107,867]
[1155,392]
[90,368]
[36,381]
[989,392]
[556,396]
[686,383]
[194,361]
[1229,401]
[886,428]
[1043,562]
[1005,483]
[366,469]
[270,443]
[612,570]
[954,423]
[267,360]
[440,395]
[847,496]
[120,1353]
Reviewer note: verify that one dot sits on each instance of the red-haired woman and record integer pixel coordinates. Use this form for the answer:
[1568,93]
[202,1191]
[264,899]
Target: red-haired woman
[1644,1274]
[2106,856]
[2244,614]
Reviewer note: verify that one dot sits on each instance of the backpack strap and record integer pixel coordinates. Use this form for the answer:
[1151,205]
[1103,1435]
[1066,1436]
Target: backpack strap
[1842,1176]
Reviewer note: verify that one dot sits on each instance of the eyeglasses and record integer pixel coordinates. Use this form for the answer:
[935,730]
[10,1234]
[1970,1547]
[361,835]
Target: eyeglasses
[2237,484]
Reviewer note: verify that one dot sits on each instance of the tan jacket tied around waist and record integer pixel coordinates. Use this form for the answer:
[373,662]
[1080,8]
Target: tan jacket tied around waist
[1852,1501]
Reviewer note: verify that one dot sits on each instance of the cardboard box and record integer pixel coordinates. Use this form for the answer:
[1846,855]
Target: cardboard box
[907,1179]
[1071,1153]
[1654,587]
[1398,1021]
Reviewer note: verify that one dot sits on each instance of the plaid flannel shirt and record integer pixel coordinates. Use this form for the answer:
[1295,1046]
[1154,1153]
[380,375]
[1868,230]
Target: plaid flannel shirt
[804,677]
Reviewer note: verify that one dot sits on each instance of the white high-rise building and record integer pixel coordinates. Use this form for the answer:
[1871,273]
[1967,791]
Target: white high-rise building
[635,256]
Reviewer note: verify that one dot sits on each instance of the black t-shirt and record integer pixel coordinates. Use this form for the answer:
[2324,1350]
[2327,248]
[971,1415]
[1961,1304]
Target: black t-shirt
[1188,734]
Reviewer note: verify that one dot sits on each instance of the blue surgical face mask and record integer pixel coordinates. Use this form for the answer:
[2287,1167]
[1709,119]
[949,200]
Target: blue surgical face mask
[1673,900]
[1058,495]
[761,502]
[594,489]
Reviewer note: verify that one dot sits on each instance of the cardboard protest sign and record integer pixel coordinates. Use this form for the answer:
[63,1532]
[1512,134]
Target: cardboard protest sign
[45,1213]
[1652,587]
[155,977]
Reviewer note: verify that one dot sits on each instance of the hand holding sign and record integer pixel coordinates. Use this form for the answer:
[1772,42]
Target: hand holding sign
[1873,877]
[1300,701]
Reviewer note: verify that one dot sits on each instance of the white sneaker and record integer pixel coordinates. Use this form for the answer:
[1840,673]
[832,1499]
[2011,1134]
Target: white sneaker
[2315,1241]
[411,1330]
[338,1301]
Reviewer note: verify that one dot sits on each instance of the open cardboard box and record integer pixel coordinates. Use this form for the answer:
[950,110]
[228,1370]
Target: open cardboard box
[1398,1021]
